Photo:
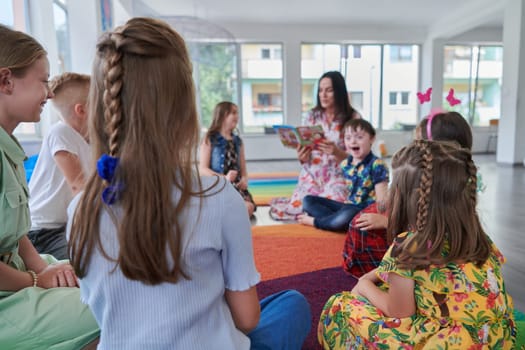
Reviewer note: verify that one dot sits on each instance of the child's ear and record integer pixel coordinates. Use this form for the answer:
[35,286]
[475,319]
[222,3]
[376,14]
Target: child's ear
[80,109]
[6,81]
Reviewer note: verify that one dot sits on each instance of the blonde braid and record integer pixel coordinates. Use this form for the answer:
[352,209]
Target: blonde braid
[112,89]
[425,186]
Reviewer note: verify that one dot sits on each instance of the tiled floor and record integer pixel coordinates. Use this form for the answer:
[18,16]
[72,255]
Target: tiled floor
[501,208]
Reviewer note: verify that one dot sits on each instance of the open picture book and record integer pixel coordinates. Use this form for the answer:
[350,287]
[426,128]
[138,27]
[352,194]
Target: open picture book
[293,136]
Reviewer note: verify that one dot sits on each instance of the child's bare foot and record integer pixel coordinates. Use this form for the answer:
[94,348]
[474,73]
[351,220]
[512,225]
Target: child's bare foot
[305,219]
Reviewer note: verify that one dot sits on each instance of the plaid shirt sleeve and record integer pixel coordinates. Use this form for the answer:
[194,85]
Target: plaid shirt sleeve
[363,250]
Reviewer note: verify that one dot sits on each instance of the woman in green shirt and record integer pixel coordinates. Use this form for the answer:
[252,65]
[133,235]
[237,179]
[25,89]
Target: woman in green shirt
[40,304]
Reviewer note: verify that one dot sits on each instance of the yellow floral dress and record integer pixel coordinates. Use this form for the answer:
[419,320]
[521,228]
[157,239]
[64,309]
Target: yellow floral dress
[458,306]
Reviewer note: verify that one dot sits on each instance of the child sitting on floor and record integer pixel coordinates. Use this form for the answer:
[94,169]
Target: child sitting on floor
[165,256]
[59,171]
[222,151]
[366,241]
[440,285]
[366,177]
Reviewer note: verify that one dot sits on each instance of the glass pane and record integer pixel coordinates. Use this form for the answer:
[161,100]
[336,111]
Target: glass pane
[215,76]
[363,75]
[458,73]
[316,59]
[400,75]
[261,86]
[6,13]
[62,32]
[488,92]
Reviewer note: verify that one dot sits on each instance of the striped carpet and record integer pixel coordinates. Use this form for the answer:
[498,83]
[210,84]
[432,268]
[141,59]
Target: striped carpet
[294,256]
[265,186]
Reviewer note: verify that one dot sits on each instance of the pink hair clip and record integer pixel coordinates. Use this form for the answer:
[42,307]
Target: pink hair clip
[452,100]
[424,97]
[433,113]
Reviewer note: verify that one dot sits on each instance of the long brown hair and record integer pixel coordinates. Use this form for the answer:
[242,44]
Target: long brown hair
[220,112]
[433,194]
[142,110]
[18,51]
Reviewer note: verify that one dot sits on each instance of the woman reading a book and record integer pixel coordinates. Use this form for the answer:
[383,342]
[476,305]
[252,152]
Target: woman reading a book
[320,173]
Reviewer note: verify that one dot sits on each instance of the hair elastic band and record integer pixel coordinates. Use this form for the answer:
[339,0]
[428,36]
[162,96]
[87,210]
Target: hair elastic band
[433,113]
[429,126]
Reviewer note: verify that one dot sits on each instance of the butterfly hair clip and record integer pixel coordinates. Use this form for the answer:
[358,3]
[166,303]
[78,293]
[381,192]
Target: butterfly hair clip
[452,100]
[424,97]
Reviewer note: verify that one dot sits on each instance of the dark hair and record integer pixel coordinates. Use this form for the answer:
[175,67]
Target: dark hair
[433,194]
[362,124]
[448,126]
[343,109]
[221,111]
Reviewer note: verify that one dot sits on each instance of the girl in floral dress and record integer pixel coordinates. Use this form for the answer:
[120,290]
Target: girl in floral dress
[439,286]
[320,172]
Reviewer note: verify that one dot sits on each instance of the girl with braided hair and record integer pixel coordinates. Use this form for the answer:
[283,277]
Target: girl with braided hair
[164,256]
[440,284]
[40,304]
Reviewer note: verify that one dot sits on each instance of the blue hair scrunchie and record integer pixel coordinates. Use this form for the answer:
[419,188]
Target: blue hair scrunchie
[106,166]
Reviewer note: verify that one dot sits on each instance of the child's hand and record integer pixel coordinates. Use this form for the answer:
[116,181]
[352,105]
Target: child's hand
[371,221]
[243,184]
[371,276]
[57,275]
[303,153]
[231,175]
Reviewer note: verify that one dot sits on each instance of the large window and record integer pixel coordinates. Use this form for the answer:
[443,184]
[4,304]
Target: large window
[475,73]
[6,13]
[315,60]
[257,90]
[215,75]
[62,32]
[12,14]
[261,86]
[382,80]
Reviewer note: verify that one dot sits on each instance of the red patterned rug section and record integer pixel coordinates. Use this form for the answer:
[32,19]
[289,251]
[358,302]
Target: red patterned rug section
[294,256]
[317,287]
[290,249]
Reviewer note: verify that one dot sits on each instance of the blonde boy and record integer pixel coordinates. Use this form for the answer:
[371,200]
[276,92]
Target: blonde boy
[62,163]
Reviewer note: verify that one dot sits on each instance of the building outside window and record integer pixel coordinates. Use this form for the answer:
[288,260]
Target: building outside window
[316,59]
[475,73]
[257,90]
[261,86]
[384,84]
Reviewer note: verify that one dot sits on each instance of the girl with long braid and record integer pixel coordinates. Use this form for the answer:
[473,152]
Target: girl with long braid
[164,256]
[440,284]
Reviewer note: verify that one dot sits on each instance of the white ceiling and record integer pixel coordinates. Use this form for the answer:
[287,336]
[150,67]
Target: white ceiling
[412,13]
